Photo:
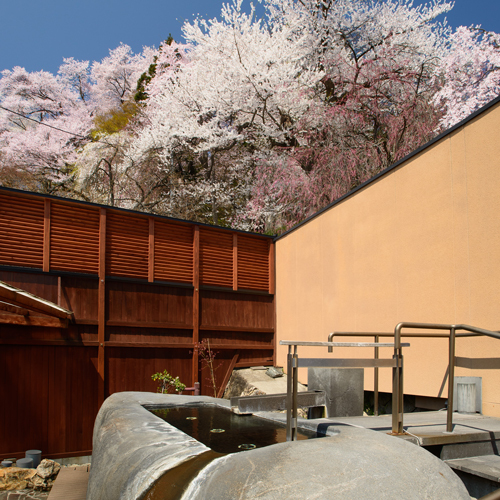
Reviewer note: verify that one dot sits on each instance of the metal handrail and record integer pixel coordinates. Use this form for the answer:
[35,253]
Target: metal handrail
[397,387]
[293,364]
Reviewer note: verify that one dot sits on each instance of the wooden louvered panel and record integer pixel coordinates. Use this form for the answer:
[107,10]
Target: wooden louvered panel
[253,263]
[21,230]
[173,252]
[74,238]
[216,258]
[127,246]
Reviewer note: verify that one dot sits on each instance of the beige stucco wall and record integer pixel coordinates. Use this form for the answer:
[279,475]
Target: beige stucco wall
[422,244]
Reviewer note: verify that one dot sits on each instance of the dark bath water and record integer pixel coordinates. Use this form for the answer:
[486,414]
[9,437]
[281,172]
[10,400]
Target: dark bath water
[224,431]
[240,432]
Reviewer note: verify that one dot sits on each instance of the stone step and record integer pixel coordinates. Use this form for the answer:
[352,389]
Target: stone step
[487,466]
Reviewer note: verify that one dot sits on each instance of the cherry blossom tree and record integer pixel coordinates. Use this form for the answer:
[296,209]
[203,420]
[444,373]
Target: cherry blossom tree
[45,152]
[471,73]
[239,88]
[251,123]
[373,107]
[311,103]
[46,120]
[115,77]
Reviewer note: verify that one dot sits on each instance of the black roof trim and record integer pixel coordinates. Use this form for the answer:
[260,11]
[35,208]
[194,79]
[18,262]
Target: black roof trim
[394,166]
[126,210]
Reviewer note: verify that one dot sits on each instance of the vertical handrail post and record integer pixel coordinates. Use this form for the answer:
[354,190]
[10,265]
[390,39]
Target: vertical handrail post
[451,381]
[295,391]
[375,380]
[397,384]
[401,395]
[289,376]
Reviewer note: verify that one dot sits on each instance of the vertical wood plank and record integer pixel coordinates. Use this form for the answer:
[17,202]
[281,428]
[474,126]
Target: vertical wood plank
[101,329]
[272,273]
[46,236]
[227,376]
[151,258]
[272,290]
[235,261]
[59,290]
[196,299]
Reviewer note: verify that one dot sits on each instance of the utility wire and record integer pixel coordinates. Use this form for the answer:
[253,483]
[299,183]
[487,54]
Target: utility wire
[44,124]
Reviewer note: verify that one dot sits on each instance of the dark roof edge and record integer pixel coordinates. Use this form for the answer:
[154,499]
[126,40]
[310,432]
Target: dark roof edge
[394,166]
[126,210]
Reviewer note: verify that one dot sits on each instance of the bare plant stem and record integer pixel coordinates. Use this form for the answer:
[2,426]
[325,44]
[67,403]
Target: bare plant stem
[211,366]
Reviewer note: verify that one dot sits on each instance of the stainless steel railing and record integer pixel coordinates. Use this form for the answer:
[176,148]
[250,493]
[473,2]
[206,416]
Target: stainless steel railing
[294,363]
[397,388]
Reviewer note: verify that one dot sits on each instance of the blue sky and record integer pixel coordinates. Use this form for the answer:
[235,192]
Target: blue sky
[37,34]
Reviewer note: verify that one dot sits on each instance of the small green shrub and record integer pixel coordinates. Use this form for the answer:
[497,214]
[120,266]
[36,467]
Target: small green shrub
[168,384]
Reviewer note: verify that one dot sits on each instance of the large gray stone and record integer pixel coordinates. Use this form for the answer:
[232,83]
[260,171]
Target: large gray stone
[344,389]
[354,464]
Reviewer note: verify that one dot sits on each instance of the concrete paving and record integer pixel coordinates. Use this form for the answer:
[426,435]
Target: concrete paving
[430,426]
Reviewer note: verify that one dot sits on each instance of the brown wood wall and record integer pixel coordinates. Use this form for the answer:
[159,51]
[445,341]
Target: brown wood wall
[143,289]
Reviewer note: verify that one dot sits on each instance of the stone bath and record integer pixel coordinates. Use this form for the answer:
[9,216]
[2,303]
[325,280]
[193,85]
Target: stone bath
[133,449]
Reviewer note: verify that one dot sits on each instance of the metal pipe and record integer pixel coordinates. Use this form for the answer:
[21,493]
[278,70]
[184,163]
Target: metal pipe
[481,331]
[451,381]
[395,395]
[375,380]
[289,376]
[295,391]
[195,389]
[330,339]
[414,335]
[401,395]
[397,390]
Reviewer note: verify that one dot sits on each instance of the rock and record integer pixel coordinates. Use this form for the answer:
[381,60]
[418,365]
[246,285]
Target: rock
[15,478]
[38,483]
[24,495]
[252,391]
[48,468]
[45,475]
[274,372]
[243,380]
[355,464]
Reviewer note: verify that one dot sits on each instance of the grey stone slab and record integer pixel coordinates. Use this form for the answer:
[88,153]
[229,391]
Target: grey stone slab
[467,449]
[344,389]
[430,426]
[274,402]
[487,466]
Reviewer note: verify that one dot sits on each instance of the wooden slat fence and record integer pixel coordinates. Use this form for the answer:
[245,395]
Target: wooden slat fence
[144,290]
